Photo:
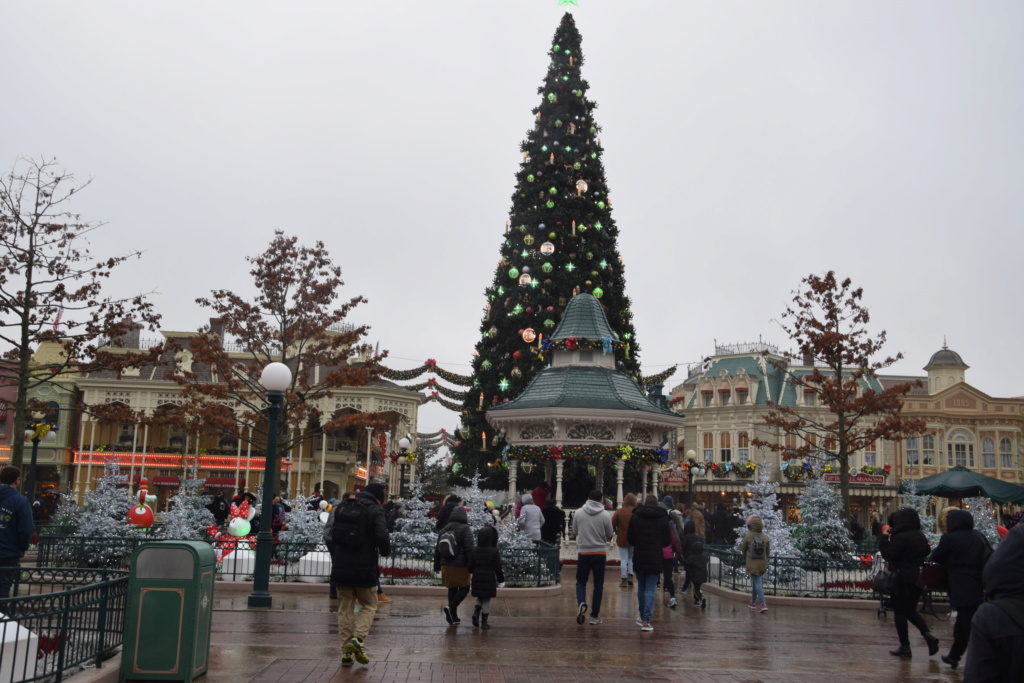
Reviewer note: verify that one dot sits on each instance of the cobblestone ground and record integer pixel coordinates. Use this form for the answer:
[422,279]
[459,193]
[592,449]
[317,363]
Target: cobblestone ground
[536,640]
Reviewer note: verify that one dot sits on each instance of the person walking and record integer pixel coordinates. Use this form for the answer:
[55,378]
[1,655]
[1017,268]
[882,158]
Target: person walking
[554,523]
[531,519]
[648,533]
[756,547]
[620,523]
[905,548]
[669,555]
[15,527]
[996,650]
[449,503]
[355,573]
[593,533]
[963,551]
[485,566]
[695,563]
[454,567]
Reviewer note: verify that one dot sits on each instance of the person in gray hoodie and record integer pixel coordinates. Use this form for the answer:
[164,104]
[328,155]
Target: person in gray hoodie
[531,519]
[593,533]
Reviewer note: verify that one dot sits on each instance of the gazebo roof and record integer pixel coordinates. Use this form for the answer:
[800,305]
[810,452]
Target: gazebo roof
[584,318]
[591,388]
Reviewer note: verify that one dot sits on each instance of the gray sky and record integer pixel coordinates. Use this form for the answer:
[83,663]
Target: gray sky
[747,146]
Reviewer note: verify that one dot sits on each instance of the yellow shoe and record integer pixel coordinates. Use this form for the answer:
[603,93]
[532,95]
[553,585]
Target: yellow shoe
[382,597]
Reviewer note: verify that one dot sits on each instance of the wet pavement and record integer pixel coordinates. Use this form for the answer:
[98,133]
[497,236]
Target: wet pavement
[537,639]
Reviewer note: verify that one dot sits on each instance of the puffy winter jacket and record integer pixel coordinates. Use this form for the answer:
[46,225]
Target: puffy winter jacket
[963,551]
[648,533]
[360,566]
[905,548]
[458,523]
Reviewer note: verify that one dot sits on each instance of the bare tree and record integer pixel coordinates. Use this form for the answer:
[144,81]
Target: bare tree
[51,290]
[828,320]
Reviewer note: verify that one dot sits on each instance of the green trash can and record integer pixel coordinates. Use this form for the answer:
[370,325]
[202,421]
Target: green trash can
[170,609]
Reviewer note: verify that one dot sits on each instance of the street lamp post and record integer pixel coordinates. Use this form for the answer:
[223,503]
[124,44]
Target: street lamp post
[37,431]
[695,470]
[276,377]
[403,450]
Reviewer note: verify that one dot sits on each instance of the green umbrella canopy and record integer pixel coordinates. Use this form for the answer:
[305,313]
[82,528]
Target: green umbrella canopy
[962,482]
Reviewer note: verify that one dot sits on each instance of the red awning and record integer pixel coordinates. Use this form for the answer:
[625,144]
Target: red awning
[706,391]
[724,391]
[166,480]
[741,389]
[224,482]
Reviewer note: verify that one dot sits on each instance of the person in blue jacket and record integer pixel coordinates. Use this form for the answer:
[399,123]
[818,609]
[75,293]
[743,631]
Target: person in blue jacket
[15,527]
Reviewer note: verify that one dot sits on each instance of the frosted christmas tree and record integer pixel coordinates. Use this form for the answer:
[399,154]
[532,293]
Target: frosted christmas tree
[981,510]
[64,519]
[188,518]
[820,531]
[765,504]
[912,499]
[304,530]
[415,529]
[104,516]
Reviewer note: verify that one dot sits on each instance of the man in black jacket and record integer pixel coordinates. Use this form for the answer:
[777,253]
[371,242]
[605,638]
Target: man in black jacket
[356,573]
[996,652]
[905,548]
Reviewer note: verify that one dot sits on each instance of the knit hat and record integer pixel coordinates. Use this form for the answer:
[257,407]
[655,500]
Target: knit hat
[668,501]
[376,490]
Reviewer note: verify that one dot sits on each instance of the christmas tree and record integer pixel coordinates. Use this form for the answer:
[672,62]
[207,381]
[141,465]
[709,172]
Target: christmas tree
[104,517]
[765,504]
[984,521]
[303,528]
[560,239]
[820,531]
[415,529]
[912,499]
[188,518]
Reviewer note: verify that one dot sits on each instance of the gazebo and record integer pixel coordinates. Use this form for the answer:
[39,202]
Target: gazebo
[582,408]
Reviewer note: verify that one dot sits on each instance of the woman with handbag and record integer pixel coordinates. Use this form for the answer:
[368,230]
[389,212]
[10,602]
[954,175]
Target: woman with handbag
[905,548]
[963,551]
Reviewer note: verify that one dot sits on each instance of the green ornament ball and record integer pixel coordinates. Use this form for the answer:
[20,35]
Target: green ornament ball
[530,178]
[593,155]
[522,228]
[558,123]
[577,166]
[513,273]
[590,254]
[600,205]
[516,373]
[552,97]
[547,267]
[557,48]
[552,235]
[543,148]
[598,292]
[553,191]
[486,365]
[550,204]
[549,323]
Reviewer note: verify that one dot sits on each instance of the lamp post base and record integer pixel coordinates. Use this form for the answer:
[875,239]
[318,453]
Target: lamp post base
[260,599]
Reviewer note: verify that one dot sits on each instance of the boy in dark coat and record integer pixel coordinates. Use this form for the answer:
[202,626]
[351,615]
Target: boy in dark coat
[485,565]
[695,563]
[963,551]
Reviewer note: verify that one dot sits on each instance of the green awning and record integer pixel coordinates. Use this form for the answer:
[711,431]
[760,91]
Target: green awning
[961,482]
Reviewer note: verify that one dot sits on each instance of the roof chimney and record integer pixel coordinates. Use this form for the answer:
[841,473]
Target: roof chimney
[217,327]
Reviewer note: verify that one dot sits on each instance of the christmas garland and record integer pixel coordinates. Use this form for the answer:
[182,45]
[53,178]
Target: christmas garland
[429,366]
[659,378]
[586,453]
[434,396]
[432,383]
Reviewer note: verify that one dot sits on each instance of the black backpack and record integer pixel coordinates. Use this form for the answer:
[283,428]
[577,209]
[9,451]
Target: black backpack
[350,522]
[757,547]
[448,545]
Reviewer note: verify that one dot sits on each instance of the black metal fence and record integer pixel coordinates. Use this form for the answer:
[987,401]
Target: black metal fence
[60,621]
[305,562]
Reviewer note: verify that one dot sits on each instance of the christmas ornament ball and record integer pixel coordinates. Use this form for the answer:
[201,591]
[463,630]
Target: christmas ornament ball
[552,235]
[140,516]
[516,372]
[513,273]
[598,292]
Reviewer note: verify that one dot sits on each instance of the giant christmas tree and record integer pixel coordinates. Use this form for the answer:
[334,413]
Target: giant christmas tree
[560,239]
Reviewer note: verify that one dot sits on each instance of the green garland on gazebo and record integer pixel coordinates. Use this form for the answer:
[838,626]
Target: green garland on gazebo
[587,453]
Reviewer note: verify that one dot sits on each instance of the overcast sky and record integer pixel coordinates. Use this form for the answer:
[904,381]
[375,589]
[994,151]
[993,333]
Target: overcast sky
[747,145]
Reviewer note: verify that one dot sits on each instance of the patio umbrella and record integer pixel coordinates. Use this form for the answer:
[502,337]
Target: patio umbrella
[962,482]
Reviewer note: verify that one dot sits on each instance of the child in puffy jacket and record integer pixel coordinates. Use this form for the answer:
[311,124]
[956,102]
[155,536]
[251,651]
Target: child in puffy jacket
[669,554]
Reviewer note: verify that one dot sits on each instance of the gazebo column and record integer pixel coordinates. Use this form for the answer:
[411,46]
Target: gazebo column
[559,465]
[654,481]
[549,470]
[643,483]
[600,477]
[513,475]
[620,467]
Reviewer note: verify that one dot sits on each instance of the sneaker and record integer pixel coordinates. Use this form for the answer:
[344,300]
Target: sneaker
[646,626]
[752,606]
[672,603]
[696,602]
[346,659]
[581,615]
[448,615]
[383,597]
[594,621]
[630,579]
[623,584]
[763,608]
[639,621]
[703,603]
[354,646]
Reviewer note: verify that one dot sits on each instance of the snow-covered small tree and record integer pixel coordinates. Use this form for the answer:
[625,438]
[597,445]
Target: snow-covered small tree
[820,531]
[765,504]
[104,515]
[188,518]
[64,519]
[510,540]
[415,529]
[912,499]
[984,521]
[303,528]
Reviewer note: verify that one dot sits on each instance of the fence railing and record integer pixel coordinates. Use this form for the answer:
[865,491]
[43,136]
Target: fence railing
[62,619]
[305,562]
[795,576]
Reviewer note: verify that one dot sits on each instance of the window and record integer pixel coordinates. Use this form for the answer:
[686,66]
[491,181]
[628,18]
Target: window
[708,399]
[726,442]
[1006,453]
[790,442]
[988,453]
[743,452]
[912,450]
[125,438]
[808,397]
[871,454]
[928,449]
[709,447]
[960,449]
[741,397]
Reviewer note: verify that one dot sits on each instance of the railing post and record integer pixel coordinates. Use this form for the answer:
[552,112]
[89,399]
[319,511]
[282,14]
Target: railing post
[104,597]
[63,643]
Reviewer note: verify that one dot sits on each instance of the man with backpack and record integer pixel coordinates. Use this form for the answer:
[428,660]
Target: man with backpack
[360,537]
